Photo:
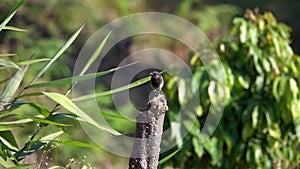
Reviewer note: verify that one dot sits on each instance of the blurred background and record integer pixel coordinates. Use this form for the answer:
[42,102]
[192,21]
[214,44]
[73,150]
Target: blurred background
[50,23]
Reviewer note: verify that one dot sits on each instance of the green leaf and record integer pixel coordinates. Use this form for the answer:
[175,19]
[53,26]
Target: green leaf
[16,122]
[245,83]
[51,137]
[8,139]
[7,55]
[7,127]
[212,147]
[115,116]
[198,148]
[243,31]
[71,80]
[58,54]
[6,162]
[25,166]
[255,117]
[295,109]
[168,156]
[94,55]
[126,87]
[8,64]
[12,28]
[12,13]
[182,91]
[294,88]
[70,106]
[12,85]
[247,131]
[79,144]
[46,121]
[42,110]
[38,145]
[29,62]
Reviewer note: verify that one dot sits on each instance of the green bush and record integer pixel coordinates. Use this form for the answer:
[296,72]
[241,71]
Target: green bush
[260,126]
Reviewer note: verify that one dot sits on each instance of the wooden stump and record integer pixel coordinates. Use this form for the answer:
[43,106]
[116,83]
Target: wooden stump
[149,129]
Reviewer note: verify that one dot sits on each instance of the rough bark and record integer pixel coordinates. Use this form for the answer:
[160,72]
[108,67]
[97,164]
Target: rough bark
[149,129]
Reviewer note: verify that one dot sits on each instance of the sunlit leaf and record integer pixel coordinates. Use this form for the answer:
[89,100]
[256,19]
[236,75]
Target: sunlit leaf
[8,64]
[70,80]
[46,121]
[58,54]
[168,156]
[7,55]
[126,87]
[12,85]
[94,55]
[12,13]
[79,144]
[8,139]
[29,62]
[255,117]
[12,28]
[51,137]
[7,127]
[70,106]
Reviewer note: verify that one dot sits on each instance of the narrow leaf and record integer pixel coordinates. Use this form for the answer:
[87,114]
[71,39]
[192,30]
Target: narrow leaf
[50,137]
[70,106]
[7,127]
[79,144]
[168,156]
[6,162]
[12,28]
[29,62]
[7,55]
[114,116]
[25,166]
[58,54]
[126,87]
[8,139]
[8,18]
[94,56]
[46,121]
[16,122]
[8,64]
[77,78]
[12,85]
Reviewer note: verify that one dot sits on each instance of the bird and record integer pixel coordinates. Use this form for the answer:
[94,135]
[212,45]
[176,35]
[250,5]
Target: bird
[157,81]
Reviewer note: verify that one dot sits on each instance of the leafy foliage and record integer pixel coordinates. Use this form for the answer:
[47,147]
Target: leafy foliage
[261,119]
[15,91]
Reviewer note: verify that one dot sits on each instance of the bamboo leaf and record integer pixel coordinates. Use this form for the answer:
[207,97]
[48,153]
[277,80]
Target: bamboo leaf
[8,64]
[168,156]
[8,139]
[6,162]
[12,13]
[79,144]
[7,55]
[94,55]
[70,106]
[7,127]
[12,85]
[58,54]
[25,166]
[46,121]
[29,62]
[126,87]
[76,79]
[114,116]
[51,137]
[16,122]
[12,28]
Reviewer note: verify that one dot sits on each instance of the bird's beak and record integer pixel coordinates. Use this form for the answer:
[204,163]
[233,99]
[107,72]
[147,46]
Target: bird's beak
[151,73]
